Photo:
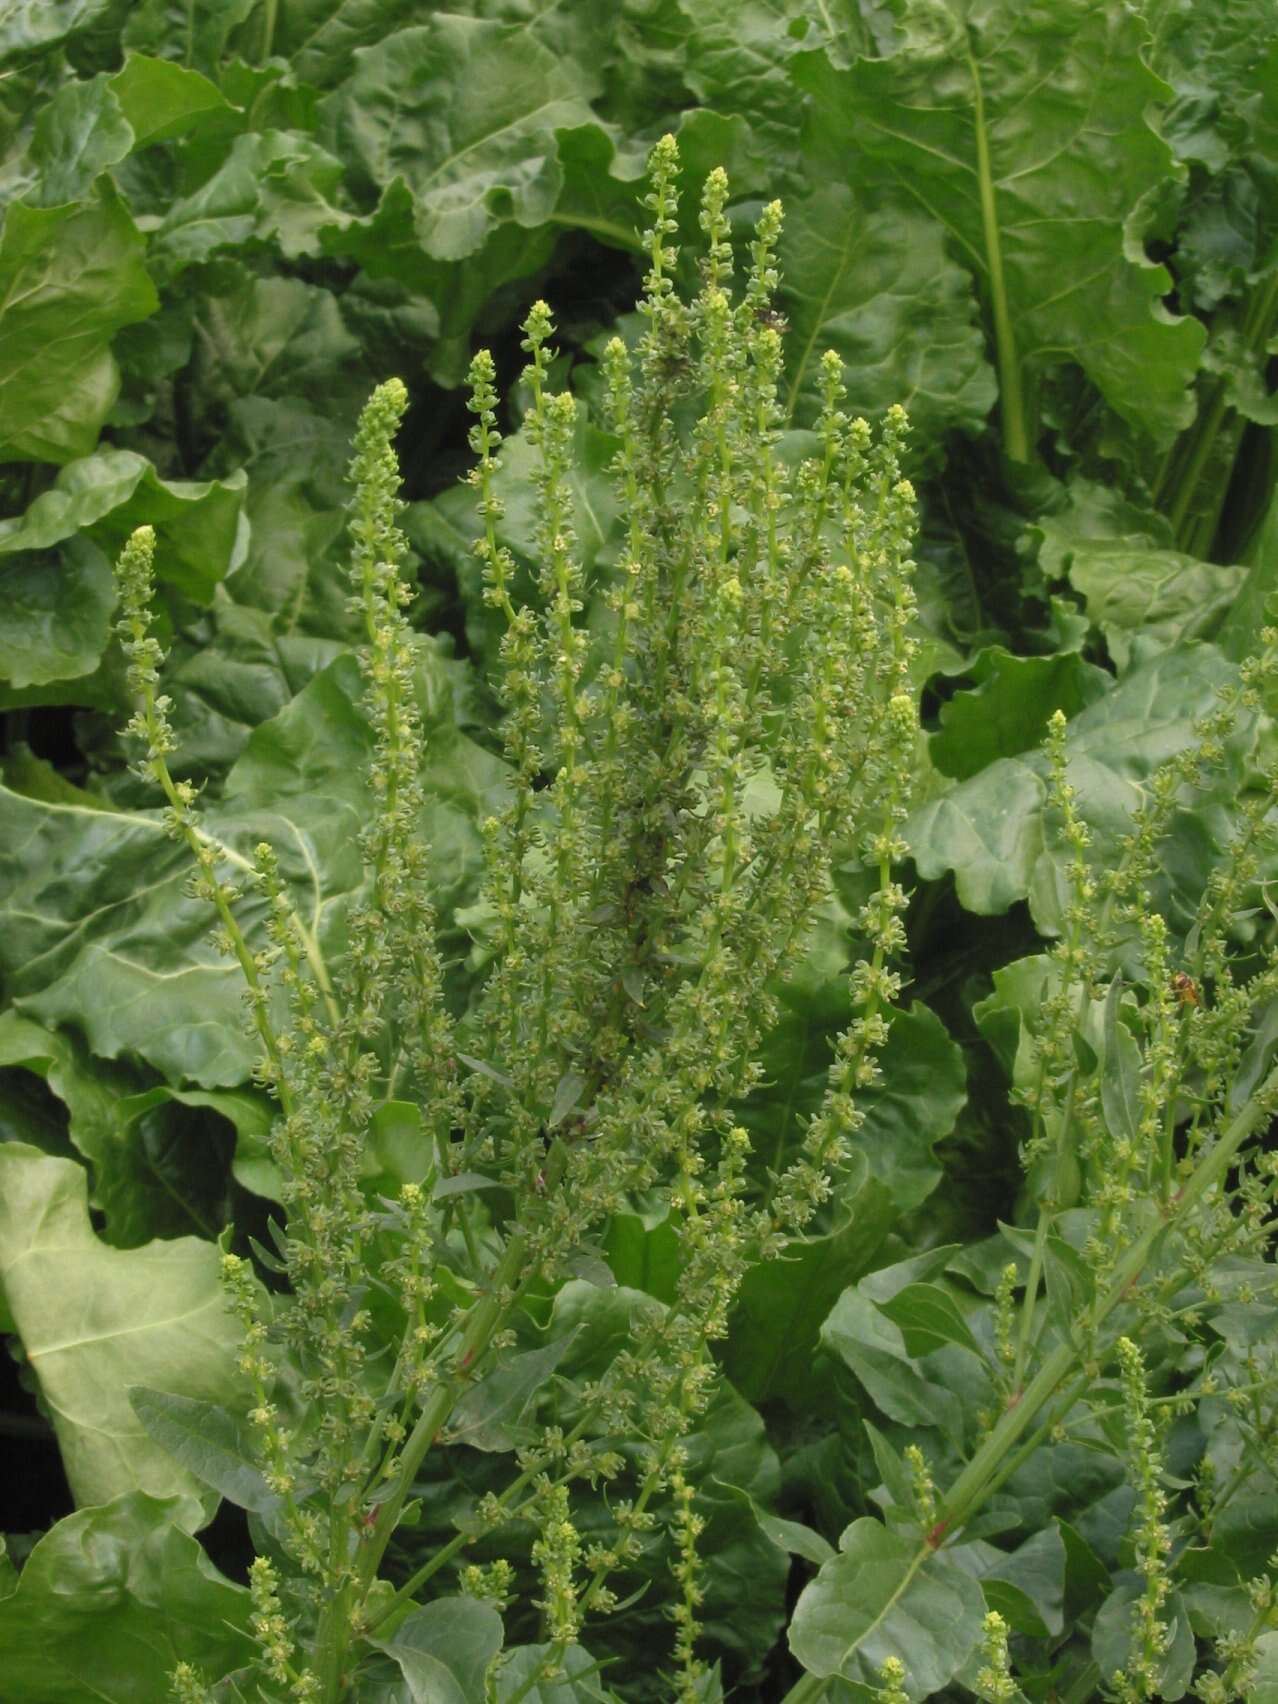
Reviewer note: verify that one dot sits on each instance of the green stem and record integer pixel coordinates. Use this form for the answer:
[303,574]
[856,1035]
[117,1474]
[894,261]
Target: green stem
[1016,444]
[1205,436]
[485,1319]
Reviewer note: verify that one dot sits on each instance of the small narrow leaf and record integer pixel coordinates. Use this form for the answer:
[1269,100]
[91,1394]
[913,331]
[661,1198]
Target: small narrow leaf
[1120,1080]
[462,1183]
[568,1093]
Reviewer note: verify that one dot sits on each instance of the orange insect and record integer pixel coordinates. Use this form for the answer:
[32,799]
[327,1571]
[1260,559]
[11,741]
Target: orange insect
[1186,988]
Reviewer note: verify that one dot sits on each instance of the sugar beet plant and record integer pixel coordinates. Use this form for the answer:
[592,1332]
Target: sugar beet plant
[682,776]
[640,903]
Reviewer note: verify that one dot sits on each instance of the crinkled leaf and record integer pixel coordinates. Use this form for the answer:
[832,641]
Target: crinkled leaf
[94,1320]
[275,187]
[464,110]
[877,286]
[1134,587]
[871,1602]
[110,1601]
[70,277]
[990,120]
[1008,709]
[80,134]
[101,934]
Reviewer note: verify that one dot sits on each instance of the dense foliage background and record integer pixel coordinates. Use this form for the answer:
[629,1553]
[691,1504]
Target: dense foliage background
[1049,229]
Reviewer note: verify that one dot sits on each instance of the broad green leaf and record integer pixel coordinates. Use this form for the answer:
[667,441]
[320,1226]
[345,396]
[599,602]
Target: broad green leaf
[70,277]
[988,121]
[156,1169]
[791,1536]
[239,671]
[989,829]
[1120,1074]
[277,337]
[162,100]
[57,622]
[200,535]
[446,1650]
[928,1317]
[196,33]
[55,565]
[643,1252]
[1026,1585]
[81,133]
[275,187]
[1087,1580]
[169,1167]
[877,286]
[1264,1685]
[1008,709]
[102,935]
[1247,1528]
[43,24]
[94,1320]
[1114,1639]
[90,1090]
[878,1598]
[387,245]
[735,58]
[110,1601]
[491,1416]
[915,1104]
[744,1572]
[582,1681]
[873,1348]
[1133,591]
[781,1304]
[465,111]
[1240,629]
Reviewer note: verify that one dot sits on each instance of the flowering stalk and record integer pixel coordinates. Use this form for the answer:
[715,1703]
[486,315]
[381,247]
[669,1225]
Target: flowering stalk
[758,619]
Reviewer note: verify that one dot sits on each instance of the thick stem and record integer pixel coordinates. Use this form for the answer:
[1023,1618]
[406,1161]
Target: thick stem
[1016,444]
